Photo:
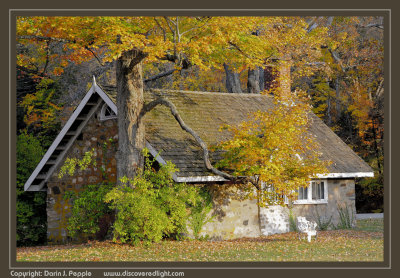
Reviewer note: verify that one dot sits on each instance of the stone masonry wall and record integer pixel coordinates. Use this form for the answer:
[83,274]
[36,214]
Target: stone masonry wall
[340,192]
[93,136]
[239,218]
[234,216]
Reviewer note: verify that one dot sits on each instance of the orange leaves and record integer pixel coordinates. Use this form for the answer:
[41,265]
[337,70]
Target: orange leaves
[206,41]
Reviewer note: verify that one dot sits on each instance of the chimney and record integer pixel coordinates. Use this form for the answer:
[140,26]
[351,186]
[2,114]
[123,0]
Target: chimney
[277,76]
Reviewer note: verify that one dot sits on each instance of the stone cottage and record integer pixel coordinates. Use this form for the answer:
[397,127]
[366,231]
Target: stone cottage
[94,122]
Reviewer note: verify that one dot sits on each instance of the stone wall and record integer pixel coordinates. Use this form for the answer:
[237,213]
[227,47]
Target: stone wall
[234,216]
[340,192]
[93,136]
[239,218]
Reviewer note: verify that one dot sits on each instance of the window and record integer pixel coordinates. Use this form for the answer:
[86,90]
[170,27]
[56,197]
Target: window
[303,193]
[107,113]
[276,196]
[317,190]
[315,193]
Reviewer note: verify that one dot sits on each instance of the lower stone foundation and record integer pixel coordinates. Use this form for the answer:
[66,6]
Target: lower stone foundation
[240,218]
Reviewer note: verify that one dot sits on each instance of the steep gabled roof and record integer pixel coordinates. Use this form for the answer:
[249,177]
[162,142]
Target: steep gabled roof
[204,112]
[64,140]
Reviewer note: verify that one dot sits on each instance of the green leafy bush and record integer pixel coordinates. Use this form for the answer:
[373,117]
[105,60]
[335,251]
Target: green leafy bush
[152,206]
[31,206]
[199,213]
[89,212]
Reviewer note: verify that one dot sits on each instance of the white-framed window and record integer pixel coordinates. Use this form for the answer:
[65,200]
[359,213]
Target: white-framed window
[315,193]
[107,113]
[277,196]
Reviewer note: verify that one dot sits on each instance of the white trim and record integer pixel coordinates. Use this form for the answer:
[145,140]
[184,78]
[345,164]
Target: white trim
[59,137]
[309,200]
[106,98]
[103,116]
[69,144]
[200,179]
[158,158]
[346,175]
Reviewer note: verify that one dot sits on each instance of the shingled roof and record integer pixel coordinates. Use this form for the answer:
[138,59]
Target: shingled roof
[205,113]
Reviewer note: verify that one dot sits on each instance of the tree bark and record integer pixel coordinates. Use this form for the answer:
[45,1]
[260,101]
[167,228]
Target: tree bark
[262,79]
[232,80]
[253,81]
[338,106]
[130,102]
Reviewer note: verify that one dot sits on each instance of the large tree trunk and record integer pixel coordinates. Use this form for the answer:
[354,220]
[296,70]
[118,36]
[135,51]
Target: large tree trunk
[262,79]
[130,102]
[253,81]
[232,80]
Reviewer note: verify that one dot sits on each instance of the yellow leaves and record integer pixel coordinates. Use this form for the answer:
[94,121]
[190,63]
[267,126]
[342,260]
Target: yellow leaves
[268,145]
[206,41]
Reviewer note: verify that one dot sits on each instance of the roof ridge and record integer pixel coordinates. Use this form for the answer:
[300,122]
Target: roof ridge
[207,92]
[193,92]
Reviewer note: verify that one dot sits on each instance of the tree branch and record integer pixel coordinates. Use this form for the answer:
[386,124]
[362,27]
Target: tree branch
[95,56]
[194,28]
[160,75]
[163,30]
[376,25]
[337,59]
[47,58]
[161,101]
[42,38]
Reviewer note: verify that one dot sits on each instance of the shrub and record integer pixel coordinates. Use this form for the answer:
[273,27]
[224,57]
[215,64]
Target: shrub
[199,213]
[31,206]
[292,221]
[346,217]
[152,206]
[323,222]
[90,212]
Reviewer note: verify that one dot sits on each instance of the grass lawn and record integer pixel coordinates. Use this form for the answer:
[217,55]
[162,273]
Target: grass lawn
[364,243]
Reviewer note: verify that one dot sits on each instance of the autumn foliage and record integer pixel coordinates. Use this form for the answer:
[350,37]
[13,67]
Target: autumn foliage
[276,149]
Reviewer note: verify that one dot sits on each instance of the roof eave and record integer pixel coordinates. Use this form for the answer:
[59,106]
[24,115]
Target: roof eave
[347,175]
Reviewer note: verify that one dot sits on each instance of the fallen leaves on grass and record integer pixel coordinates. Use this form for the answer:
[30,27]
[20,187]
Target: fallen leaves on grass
[341,245]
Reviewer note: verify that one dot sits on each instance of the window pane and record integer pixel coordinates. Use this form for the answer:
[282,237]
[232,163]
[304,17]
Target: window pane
[314,190]
[322,190]
[318,190]
[302,193]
